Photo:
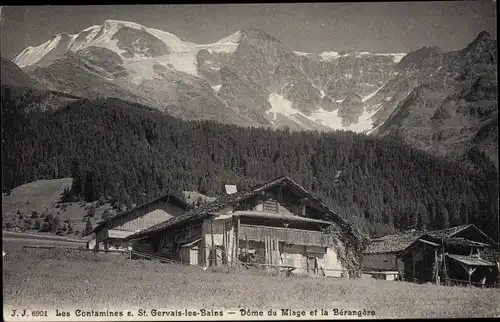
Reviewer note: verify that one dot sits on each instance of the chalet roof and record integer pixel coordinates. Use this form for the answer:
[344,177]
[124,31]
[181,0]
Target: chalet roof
[447,232]
[397,242]
[284,217]
[452,231]
[392,243]
[458,241]
[470,260]
[170,197]
[448,240]
[232,199]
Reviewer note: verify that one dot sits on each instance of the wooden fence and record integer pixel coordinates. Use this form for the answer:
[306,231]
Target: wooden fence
[235,263]
[81,248]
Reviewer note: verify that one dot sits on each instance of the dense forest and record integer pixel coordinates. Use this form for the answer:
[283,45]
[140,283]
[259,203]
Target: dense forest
[129,152]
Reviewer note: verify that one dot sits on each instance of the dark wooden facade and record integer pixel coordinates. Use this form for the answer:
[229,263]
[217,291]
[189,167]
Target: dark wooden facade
[450,260]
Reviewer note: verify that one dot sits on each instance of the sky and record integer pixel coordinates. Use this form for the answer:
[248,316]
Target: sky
[386,27]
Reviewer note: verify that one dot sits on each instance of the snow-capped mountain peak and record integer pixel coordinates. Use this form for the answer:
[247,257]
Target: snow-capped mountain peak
[233,38]
[310,90]
[117,24]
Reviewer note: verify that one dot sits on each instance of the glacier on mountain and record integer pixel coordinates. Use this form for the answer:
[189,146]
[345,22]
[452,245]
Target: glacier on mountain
[185,57]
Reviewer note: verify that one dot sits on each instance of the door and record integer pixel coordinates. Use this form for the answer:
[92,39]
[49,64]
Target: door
[312,265]
[193,253]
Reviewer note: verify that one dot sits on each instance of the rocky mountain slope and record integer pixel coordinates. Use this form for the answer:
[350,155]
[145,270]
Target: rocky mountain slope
[451,102]
[248,78]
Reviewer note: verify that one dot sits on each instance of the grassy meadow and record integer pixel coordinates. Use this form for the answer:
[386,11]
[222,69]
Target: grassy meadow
[61,278]
[45,195]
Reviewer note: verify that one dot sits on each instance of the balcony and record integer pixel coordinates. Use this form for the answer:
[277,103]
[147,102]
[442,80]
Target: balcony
[290,236]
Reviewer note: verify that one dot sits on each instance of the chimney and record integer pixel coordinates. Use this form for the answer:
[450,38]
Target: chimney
[231,189]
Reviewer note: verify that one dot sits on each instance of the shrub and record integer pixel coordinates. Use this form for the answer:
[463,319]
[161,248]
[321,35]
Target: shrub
[88,227]
[44,227]
[49,217]
[34,215]
[67,195]
[37,224]
[101,202]
[56,223]
[91,212]
[106,214]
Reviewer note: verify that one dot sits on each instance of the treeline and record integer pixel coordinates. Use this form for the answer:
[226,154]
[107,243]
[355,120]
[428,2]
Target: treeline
[132,153]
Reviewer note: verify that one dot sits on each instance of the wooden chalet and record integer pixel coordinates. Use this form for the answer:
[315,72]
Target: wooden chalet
[17,227]
[275,224]
[111,233]
[381,253]
[462,254]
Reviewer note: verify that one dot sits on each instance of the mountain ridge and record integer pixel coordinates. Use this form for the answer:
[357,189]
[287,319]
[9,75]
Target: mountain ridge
[200,60]
[250,78]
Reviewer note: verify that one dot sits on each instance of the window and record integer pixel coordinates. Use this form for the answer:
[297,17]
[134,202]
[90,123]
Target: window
[271,206]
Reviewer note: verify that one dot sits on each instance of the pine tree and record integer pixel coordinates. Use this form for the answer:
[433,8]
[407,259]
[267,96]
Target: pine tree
[91,211]
[88,227]
[442,216]
[77,184]
[90,192]
[37,224]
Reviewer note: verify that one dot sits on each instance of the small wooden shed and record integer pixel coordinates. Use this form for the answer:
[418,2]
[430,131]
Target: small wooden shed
[189,253]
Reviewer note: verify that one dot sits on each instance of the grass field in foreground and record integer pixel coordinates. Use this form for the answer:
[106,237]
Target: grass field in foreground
[69,279]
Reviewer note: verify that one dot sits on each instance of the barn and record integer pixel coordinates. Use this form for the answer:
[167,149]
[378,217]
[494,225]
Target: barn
[389,254]
[17,227]
[381,253]
[276,224]
[110,234]
[457,255]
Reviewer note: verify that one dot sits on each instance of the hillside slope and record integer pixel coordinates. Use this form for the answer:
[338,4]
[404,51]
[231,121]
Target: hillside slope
[35,196]
[44,197]
[452,102]
[11,75]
